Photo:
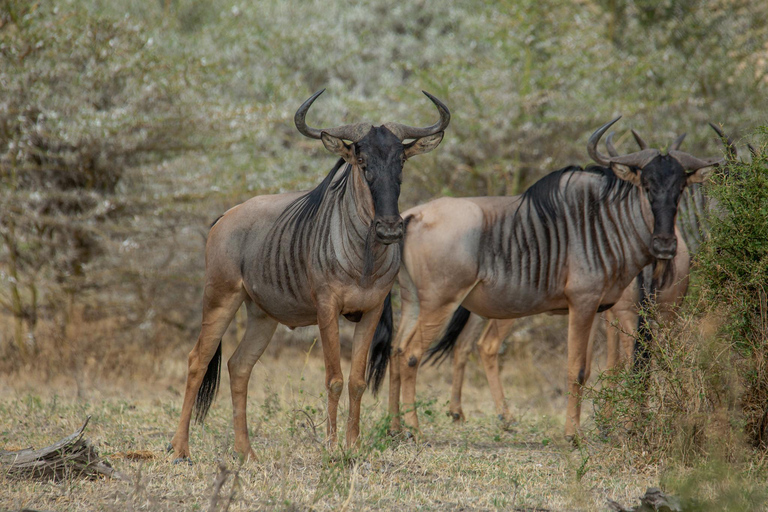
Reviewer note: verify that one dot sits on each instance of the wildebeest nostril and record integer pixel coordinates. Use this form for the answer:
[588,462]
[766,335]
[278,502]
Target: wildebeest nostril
[389,230]
[664,246]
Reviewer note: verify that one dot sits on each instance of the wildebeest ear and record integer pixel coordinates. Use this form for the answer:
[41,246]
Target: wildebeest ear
[337,146]
[625,173]
[423,145]
[700,175]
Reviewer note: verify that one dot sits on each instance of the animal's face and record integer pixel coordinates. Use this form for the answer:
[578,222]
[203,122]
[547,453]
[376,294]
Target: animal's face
[379,157]
[662,180]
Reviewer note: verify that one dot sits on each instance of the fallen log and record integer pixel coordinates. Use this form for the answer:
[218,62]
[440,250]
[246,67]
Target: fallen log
[72,457]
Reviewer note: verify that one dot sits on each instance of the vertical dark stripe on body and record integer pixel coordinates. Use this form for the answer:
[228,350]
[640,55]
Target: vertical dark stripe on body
[530,244]
[321,237]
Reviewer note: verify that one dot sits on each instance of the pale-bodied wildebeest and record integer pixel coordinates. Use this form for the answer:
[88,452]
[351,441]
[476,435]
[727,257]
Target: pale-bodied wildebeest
[304,258]
[623,318]
[572,243]
[461,335]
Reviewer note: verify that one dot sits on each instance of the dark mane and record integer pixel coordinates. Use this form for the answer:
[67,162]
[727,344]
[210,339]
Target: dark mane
[546,197]
[305,207]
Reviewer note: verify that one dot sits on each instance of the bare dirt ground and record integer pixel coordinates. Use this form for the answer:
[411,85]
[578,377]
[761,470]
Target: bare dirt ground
[472,466]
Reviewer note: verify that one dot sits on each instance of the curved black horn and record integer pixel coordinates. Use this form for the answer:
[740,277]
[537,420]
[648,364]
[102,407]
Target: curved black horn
[676,143]
[638,159]
[691,163]
[730,147]
[403,131]
[639,140]
[594,154]
[609,145]
[353,132]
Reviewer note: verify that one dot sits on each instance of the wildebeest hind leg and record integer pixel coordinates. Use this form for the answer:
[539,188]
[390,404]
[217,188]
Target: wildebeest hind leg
[408,323]
[431,323]
[218,311]
[464,345]
[258,333]
[488,347]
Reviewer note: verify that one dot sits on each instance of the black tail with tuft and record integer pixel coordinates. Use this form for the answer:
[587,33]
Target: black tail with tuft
[381,347]
[208,387]
[445,346]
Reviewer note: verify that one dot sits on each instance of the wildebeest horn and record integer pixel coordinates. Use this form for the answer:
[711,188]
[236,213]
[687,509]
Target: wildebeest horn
[594,154]
[676,143]
[638,159]
[691,163]
[353,132]
[403,131]
[609,145]
[730,147]
[639,140]
[612,149]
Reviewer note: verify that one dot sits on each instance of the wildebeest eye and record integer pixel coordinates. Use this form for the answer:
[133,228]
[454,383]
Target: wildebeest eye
[360,160]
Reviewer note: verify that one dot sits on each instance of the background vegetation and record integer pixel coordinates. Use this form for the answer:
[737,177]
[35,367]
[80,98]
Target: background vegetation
[127,127]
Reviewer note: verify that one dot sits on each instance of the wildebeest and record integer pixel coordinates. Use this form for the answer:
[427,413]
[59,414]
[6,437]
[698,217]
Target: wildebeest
[461,335]
[305,258]
[571,243]
[622,318]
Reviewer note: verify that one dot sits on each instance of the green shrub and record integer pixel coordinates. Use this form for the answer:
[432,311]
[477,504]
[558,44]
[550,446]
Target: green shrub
[733,268]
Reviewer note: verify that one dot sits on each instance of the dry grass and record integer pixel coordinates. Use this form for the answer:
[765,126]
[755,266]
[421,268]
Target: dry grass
[471,466]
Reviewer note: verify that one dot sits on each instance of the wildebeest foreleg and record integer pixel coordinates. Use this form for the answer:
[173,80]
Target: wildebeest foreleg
[580,320]
[218,311]
[590,347]
[258,333]
[488,346]
[620,335]
[360,345]
[328,322]
[611,340]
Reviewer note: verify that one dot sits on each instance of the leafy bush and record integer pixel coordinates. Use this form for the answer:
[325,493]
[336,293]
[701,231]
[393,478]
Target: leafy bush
[75,128]
[734,278]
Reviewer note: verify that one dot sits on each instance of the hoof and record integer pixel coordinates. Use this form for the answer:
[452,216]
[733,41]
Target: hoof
[183,460]
[507,423]
[169,448]
[574,440]
[457,417]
